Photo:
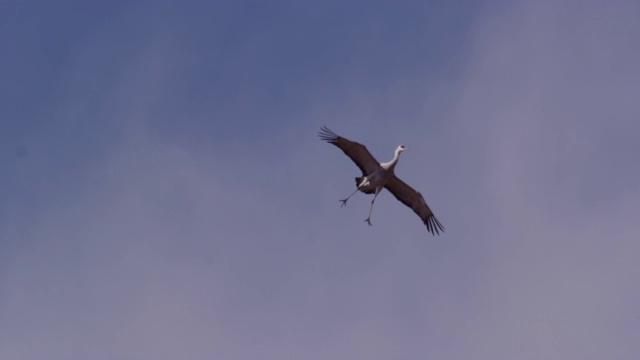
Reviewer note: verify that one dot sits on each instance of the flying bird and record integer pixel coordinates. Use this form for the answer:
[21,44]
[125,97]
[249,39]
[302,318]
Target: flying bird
[376,176]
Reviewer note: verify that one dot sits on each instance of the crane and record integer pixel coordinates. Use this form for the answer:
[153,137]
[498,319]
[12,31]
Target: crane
[376,176]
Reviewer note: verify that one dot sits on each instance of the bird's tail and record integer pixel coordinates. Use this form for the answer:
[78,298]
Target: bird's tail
[359,180]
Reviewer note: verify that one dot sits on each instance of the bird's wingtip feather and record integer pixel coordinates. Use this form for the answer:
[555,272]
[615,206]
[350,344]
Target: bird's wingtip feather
[434,226]
[326,134]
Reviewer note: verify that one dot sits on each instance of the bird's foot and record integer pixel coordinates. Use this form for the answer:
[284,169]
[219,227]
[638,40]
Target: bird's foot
[344,202]
[368,221]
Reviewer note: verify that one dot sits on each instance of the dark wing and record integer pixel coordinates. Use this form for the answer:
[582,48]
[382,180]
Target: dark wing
[357,152]
[413,199]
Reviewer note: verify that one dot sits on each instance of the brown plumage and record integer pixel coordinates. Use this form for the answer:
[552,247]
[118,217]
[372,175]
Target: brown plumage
[376,176]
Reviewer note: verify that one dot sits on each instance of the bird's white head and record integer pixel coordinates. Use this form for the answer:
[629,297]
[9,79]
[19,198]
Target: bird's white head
[401,148]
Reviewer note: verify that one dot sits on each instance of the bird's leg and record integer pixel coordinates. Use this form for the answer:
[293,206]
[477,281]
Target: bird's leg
[344,201]
[368,220]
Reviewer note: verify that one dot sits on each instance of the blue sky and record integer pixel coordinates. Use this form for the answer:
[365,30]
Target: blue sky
[164,193]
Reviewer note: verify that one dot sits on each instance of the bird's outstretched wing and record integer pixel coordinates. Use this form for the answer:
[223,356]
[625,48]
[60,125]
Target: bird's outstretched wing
[357,152]
[413,199]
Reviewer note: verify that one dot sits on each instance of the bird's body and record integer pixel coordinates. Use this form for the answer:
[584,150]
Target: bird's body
[379,177]
[376,176]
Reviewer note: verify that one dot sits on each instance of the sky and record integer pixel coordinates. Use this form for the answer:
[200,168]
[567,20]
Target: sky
[164,194]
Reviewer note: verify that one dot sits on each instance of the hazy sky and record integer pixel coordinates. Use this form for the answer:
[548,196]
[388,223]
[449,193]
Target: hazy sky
[163,193]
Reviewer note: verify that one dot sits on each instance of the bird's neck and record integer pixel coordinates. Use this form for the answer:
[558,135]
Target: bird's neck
[394,161]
